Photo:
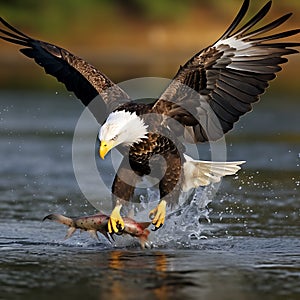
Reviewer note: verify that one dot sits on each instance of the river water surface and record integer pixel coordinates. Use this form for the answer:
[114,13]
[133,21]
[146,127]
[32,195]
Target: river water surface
[250,250]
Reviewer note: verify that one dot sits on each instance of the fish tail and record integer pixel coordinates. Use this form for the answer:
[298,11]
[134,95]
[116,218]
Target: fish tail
[60,219]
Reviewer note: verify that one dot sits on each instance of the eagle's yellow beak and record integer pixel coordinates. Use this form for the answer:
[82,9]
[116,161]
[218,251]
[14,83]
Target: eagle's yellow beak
[105,147]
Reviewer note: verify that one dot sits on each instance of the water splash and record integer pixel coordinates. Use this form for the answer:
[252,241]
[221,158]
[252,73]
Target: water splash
[184,224]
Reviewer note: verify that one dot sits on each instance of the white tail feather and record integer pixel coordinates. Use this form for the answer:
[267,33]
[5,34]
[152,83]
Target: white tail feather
[201,173]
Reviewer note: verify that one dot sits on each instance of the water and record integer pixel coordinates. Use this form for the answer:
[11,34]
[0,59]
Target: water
[250,250]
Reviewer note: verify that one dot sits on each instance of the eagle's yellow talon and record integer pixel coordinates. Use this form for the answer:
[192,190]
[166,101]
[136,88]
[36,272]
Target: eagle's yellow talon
[158,214]
[115,222]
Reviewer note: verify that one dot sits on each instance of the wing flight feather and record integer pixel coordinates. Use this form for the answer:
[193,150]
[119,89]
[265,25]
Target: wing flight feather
[222,82]
[77,75]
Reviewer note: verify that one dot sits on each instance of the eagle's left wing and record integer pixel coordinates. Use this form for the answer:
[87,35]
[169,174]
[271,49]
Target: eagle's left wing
[220,83]
[77,75]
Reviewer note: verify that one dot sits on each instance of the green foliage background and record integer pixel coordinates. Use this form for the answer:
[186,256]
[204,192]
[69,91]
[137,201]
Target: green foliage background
[128,38]
[52,16]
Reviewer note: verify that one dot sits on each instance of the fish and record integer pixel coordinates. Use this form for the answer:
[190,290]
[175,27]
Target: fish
[98,223]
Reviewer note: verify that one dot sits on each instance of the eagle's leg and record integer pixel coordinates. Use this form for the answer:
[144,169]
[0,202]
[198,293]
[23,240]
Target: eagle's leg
[122,189]
[115,222]
[169,188]
[158,214]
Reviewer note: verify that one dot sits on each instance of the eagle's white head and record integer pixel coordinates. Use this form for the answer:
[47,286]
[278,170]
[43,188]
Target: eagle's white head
[121,127]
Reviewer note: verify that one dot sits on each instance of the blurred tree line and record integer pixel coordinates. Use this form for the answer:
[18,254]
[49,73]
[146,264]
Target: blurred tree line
[127,38]
[55,14]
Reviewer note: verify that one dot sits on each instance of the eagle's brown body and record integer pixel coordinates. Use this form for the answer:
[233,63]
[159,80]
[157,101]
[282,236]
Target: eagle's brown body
[157,156]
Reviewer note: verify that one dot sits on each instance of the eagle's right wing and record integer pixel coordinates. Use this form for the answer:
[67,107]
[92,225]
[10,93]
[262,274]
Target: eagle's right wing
[222,82]
[77,75]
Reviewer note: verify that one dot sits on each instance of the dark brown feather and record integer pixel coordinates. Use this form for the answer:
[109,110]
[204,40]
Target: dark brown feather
[157,156]
[227,76]
[87,83]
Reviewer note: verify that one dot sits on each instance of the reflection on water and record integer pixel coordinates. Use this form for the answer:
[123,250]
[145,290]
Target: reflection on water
[249,251]
[243,271]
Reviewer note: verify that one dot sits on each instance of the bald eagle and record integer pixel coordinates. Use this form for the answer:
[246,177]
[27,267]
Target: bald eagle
[206,97]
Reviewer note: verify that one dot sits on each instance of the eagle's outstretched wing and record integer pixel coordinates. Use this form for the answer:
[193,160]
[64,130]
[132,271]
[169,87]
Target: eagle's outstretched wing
[77,75]
[228,77]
